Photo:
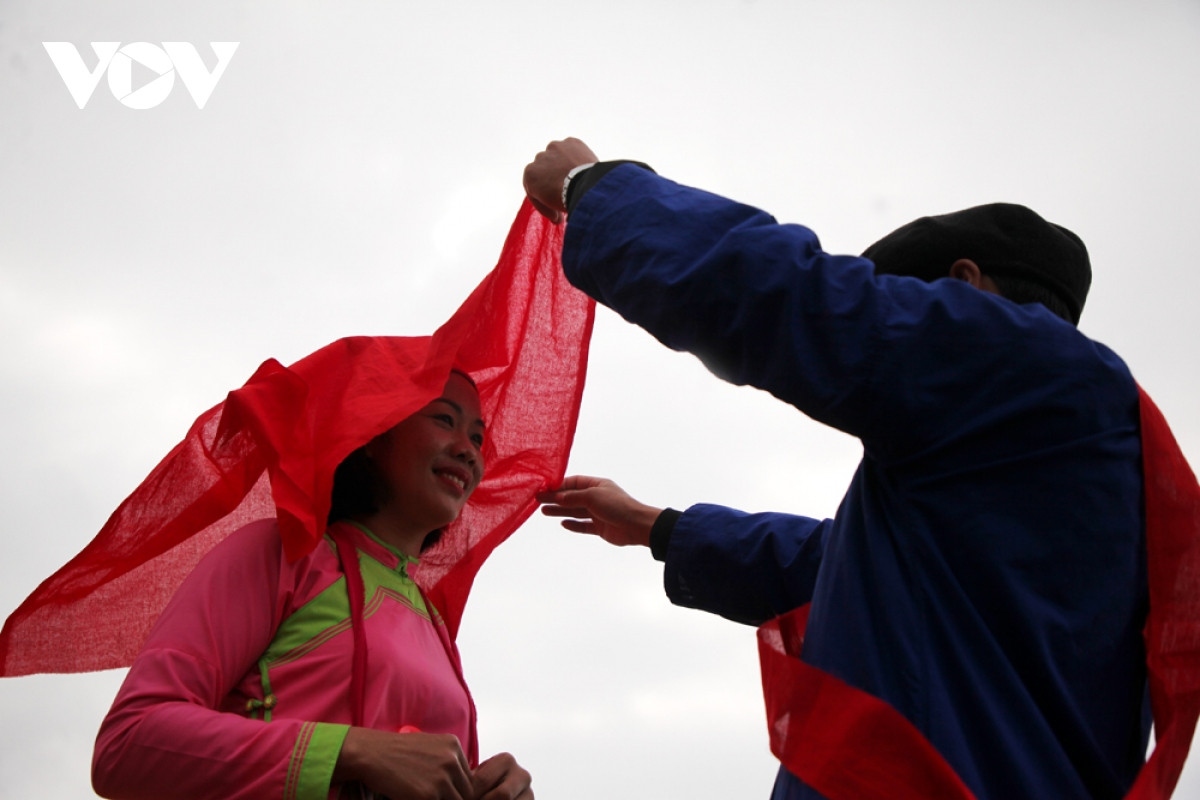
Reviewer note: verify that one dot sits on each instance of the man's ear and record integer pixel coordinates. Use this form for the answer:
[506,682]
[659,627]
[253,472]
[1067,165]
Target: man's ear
[967,270]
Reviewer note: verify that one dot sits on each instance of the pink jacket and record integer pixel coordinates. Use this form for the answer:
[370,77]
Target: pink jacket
[241,689]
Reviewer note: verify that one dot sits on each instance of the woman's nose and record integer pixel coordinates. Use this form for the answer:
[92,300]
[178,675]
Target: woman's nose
[464,446]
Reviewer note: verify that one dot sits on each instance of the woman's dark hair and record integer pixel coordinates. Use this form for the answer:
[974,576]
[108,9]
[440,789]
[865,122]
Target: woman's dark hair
[359,490]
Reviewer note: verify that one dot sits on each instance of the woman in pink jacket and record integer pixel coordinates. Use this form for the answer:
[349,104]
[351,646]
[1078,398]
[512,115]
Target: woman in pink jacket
[246,687]
[263,579]
[325,677]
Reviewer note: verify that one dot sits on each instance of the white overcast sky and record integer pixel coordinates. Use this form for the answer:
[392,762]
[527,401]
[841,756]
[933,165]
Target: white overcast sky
[355,171]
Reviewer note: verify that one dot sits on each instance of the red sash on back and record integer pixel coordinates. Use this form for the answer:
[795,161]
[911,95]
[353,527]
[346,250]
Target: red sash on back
[850,745]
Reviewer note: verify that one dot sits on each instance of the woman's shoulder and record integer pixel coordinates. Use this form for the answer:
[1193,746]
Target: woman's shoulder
[250,563]
[255,540]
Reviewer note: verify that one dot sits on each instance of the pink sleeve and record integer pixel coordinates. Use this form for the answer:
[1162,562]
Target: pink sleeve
[165,737]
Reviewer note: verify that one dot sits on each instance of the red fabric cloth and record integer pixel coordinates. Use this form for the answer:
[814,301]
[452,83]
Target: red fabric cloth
[850,745]
[270,449]
[348,558]
[843,742]
[1172,630]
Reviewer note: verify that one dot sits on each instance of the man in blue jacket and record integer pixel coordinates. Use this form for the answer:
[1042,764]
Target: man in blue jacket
[985,574]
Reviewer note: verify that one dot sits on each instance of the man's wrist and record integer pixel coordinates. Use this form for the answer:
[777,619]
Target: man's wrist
[660,533]
[585,179]
[571,176]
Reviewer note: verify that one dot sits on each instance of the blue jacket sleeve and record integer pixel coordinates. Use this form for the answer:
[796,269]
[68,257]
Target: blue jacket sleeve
[748,568]
[753,299]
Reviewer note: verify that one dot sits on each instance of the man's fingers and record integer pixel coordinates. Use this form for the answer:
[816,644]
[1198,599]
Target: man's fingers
[571,483]
[565,495]
[554,215]
[580,482]
[577,520]
[566,511]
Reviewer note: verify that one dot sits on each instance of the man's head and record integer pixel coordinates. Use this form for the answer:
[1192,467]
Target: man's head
[1028,258]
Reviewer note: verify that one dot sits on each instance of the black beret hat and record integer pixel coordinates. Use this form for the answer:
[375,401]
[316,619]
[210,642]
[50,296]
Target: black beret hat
[1002,238]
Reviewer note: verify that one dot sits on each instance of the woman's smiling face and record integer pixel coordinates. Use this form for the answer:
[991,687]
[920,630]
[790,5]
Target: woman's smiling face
[432,461]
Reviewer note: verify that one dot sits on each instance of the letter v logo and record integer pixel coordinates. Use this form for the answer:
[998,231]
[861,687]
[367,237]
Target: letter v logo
[80,82]
[196,77]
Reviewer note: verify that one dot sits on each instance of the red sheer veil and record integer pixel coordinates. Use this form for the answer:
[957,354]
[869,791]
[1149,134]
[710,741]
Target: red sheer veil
[270,449]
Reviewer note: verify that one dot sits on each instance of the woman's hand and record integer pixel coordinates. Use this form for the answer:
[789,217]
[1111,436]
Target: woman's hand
[600,507]
[501,778]
[407,766]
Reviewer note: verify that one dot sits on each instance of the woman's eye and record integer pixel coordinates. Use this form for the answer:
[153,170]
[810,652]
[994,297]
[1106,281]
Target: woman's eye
[478,440]
[445,419]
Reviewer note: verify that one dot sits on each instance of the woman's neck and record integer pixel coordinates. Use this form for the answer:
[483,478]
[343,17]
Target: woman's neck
[406,539]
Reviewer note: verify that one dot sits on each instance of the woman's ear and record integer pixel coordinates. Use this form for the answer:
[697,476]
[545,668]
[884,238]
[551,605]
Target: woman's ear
[371,450]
